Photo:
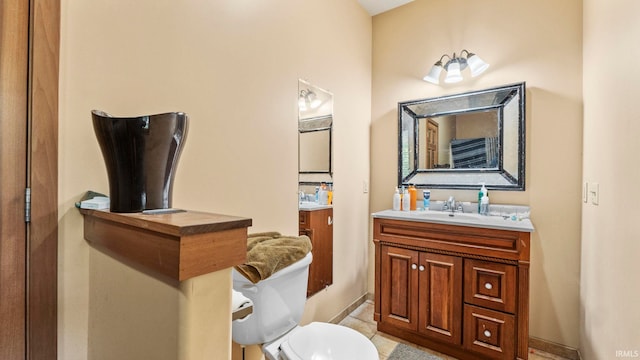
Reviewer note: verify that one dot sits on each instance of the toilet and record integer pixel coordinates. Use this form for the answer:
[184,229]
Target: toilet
[278,304]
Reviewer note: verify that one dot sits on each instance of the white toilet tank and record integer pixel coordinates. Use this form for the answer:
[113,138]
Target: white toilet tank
[278,303]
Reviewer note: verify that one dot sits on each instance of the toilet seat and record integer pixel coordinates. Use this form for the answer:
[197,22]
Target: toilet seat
[323,341]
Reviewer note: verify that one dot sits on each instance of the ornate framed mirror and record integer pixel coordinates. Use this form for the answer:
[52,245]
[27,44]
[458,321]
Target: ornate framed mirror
[460,141]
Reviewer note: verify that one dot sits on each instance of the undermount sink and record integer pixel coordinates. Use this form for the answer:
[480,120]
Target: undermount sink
[459,218]
[445,215]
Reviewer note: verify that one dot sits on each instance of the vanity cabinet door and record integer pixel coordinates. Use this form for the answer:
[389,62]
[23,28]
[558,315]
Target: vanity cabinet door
[318,226]
[399,287]
[440,314]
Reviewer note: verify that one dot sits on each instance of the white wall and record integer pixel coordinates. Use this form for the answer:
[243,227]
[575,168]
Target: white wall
[513,38]
[233,66]
[609,287]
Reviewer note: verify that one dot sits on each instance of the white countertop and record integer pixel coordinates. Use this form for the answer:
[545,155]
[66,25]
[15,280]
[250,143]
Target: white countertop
[462,219]
[307,205]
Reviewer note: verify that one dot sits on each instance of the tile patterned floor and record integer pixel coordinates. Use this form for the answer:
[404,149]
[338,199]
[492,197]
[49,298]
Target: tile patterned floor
[361,319]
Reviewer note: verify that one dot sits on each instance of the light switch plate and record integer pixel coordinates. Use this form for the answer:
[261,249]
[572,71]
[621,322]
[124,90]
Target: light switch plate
[365,187]
[585,192]
[594,192]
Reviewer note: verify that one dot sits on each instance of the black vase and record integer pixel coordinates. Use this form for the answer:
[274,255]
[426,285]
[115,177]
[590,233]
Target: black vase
[141,155]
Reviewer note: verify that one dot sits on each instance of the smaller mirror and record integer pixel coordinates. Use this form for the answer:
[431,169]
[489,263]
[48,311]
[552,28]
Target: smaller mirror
[315,122]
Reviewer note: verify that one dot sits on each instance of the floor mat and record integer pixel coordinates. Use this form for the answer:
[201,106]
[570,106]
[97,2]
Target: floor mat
[405,352]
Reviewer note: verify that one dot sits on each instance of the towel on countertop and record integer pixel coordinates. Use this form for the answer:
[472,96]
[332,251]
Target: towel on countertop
[269,252]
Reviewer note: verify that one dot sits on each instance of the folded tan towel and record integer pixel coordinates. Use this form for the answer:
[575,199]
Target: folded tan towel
[269,252]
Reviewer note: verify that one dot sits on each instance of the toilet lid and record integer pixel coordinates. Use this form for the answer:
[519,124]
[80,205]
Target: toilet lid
[322,341]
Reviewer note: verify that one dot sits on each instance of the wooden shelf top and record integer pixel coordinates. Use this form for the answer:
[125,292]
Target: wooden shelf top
[175,224]
[179,245]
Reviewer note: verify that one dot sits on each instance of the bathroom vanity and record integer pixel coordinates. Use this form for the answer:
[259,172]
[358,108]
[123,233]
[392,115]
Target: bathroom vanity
[456,285]
[316,221]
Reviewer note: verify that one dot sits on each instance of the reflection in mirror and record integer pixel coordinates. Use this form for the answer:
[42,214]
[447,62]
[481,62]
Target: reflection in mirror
[315,181]
[460,141]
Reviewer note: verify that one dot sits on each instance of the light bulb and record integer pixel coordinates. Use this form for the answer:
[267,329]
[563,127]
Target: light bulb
[453,73]
[434,74]
[476,65]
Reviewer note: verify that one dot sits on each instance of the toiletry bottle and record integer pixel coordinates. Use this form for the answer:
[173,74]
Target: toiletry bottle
[330,195]
[426,199]
[406,200]
[483,191]
[322,194]
[397,200]
[317,191]
[413,196]
[484,205]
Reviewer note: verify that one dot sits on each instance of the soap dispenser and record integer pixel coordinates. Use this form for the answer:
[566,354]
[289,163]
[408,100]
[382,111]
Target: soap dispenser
[484,205]
[397,200]
[481,194]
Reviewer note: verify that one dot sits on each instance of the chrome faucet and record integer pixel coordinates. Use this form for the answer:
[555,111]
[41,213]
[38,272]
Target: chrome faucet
[452,206]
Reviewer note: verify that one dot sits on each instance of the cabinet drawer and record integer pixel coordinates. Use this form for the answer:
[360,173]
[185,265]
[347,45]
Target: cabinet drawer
[489,332]
[491,285]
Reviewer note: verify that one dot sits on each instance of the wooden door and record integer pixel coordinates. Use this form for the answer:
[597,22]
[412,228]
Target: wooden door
[29,45]
[14,60]
[440,314]
[399,287]
[432,144]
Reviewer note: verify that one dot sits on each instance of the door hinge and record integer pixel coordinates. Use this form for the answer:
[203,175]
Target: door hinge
[27,205]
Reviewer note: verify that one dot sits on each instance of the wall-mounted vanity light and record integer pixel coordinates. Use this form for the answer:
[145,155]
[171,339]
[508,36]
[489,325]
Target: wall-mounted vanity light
[454,67]
[308,99]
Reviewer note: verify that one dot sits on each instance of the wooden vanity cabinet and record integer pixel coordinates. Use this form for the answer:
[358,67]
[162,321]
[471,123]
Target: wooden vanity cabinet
[463,291]
[318,226]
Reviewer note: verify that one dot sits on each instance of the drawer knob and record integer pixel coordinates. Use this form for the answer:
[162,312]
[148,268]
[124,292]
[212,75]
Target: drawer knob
[487,333]
[421,268]
[414,266]
[488,286]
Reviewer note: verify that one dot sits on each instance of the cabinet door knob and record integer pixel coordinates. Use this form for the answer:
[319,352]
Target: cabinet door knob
[487,333]
[414,266]
[421,268]
[488,286]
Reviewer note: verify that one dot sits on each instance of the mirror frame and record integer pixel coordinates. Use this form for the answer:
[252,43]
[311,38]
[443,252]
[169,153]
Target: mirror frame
[494,178]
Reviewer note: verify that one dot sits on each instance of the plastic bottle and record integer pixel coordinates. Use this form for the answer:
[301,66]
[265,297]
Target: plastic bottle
[330,195]
[397,200]
[484,205]
[413,196]
[406,200]
[483,192]
[323,197]
[426,199]
[317,191]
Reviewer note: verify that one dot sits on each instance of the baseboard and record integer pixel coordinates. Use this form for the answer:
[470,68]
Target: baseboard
[554,348]
[349,309]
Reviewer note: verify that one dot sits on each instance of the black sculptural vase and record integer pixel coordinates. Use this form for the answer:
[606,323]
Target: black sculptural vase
[141,155]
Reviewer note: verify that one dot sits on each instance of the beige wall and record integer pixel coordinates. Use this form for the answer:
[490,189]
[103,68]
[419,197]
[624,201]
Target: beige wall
[512,37]
[610,290]
[233,66]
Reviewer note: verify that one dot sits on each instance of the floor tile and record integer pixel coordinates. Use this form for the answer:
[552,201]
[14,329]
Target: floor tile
[384,344]
[366,328]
